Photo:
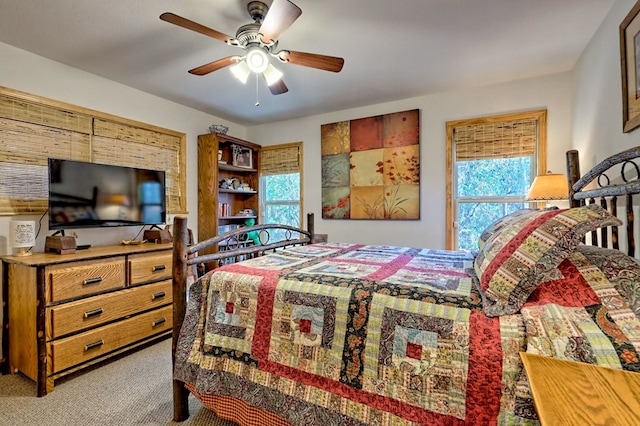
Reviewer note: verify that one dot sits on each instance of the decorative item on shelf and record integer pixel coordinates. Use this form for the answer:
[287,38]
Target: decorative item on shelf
[223,209]
[230,183]
[220,157]
[218,128]
[22,235]
[226,228]
[158,236]
[241,156]
[252,235]
[60,244]
[549,187]
[134,242]
[246,212]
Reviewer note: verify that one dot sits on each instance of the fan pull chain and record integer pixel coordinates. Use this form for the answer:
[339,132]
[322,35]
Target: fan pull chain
[257,99]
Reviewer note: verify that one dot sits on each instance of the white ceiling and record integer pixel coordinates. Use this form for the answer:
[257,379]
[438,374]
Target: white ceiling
[393,49]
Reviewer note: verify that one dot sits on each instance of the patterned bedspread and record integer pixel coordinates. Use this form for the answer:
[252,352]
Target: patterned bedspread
[376,335]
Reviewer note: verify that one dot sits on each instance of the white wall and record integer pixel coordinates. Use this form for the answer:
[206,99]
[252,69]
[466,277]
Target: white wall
[30,73]
[21,70]
[550,92]
[597,94]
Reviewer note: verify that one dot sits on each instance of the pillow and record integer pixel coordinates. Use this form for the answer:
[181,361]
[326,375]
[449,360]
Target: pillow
[583,334]
[622,271]
[514,261]
[499,224]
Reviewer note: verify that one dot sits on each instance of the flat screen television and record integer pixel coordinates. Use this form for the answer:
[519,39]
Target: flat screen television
[89,195]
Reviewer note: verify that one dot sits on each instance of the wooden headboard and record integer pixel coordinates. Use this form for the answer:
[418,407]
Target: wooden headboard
[612,183]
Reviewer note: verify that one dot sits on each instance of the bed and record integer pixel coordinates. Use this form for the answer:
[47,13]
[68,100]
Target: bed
[294,332]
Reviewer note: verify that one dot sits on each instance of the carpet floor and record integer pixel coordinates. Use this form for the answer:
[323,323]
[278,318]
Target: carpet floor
[133,390]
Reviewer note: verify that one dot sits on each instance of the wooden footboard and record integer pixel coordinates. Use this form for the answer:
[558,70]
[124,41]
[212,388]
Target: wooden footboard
[237,244]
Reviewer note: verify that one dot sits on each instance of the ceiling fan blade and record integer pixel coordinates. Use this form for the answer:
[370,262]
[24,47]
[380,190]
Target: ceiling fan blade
[214,66]
[194,26]
[313,60]
[280,16]
[278,88]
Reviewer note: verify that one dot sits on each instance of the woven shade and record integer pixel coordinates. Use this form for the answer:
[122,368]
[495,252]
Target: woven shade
[549,187]
[279,160]
[504,139]
[36,129]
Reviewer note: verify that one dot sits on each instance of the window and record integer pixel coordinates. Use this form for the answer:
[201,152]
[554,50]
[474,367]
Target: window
[281,184]
[491,163]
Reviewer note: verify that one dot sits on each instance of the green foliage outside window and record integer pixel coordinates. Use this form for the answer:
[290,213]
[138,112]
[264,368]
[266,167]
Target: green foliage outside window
[282,199]
[486,191]
[284,187]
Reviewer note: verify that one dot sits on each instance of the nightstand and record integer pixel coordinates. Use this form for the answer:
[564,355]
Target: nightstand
[575,393]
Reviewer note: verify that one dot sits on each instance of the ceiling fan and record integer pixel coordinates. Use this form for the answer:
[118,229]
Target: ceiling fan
[259,39]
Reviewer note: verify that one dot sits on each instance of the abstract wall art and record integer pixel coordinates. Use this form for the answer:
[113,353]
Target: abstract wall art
[371,167]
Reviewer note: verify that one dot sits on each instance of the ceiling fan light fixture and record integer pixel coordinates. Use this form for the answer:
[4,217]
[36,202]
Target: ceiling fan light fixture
[241,71]
[257,59]
[272,75]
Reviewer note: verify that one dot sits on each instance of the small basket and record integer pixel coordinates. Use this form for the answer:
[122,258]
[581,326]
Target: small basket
[218,128]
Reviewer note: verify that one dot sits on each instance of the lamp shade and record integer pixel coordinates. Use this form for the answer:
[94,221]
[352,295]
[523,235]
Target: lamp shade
[257,59]
[552,186]
[241,71]
[22,235]
[272,75]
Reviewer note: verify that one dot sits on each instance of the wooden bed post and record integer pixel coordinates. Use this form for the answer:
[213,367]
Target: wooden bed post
[180,245]
[311,225]
[573,174]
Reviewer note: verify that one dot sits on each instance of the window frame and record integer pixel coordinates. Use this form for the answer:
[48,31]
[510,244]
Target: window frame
[262,192]
[539,116]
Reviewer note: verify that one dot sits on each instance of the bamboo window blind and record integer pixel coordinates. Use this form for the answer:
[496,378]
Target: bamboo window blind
[482,141]
[280,159]
[33,129]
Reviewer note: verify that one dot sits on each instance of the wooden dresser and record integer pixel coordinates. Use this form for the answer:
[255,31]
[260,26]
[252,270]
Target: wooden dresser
[66,312]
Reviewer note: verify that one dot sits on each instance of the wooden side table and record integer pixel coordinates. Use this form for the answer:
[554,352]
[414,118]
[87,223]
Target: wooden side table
[575,393]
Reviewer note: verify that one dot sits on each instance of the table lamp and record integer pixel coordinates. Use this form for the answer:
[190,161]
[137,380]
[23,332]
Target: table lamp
[552,186]
[22,235]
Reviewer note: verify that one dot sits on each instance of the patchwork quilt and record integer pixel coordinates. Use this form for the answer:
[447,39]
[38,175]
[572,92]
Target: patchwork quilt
[347,334]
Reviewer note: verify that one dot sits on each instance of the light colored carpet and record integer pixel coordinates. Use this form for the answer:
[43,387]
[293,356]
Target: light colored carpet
[133,390]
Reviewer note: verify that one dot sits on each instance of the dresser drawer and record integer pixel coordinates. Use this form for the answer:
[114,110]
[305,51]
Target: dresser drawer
[72,280]
[149,267]
[91,312]
[82,347]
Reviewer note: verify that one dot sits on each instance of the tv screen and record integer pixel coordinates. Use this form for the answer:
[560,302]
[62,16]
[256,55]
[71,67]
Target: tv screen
[87,195]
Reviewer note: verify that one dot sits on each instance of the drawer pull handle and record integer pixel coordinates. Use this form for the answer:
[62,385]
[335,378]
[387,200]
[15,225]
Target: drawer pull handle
[158,322]
[92,281]
[93,345]
[93,313]
[158,268]
[158,295]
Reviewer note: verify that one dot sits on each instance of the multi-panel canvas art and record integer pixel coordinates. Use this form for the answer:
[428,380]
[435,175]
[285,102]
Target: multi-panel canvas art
[371,167]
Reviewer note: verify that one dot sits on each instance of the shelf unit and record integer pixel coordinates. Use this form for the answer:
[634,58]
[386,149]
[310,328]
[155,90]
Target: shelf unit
[211,173]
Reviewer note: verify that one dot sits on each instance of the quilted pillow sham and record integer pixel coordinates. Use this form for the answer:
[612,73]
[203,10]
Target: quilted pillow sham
[528,249]
[621,270]
[497,226]
[583,334]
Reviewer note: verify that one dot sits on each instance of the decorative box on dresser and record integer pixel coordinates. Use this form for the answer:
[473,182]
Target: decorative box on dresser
[67,312]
